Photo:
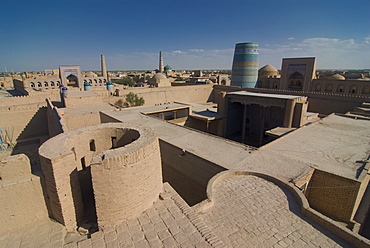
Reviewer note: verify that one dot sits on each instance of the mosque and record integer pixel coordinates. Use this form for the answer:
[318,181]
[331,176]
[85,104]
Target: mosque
[200,165]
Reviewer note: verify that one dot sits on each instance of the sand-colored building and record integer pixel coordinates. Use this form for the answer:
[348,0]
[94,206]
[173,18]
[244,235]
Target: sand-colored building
[167,174]
[299,74]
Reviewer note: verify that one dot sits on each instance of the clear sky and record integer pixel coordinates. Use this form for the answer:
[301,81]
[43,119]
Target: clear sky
[192,34]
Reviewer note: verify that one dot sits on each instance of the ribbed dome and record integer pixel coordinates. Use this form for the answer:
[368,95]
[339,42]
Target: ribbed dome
[336,77]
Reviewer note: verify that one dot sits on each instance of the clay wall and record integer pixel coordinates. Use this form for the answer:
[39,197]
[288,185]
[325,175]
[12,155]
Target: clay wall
[107,119]
[56,124]
[6,82]
[18,85]
[351,87]
[28,206]
[127,183]
[25,123]
[188,173]
[332,195]
[154,96]
[83,99]
[35,98]
[77,121]
[319,102]
[26,116]
[111,144]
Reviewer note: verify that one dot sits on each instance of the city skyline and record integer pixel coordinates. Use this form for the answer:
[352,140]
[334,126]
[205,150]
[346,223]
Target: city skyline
[201,34]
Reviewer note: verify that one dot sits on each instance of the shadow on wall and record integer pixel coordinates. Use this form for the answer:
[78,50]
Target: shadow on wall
[210,97]
[187,173]
[37,126]
[15,93]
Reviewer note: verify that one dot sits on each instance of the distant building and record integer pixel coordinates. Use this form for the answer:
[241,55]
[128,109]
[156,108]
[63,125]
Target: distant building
[299,74]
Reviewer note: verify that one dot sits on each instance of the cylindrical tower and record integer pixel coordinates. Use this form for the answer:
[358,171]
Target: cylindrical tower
[87,86]
[110,85]
[245,65]
[161,67]
[103,66]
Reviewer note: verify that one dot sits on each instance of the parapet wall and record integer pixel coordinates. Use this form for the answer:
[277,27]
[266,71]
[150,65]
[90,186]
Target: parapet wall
[25,116]
[163,95]
[21,195]
[36,98]
[125,175]
[56,123]
[187,172]
[319,102]
[333,195]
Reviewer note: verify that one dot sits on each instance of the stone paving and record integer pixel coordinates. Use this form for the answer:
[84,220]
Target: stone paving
[44,234]
[169,223]
[249,211]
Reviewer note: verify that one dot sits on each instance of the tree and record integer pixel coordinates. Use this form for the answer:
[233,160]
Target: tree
[180,79]
[125,81]
[131,100]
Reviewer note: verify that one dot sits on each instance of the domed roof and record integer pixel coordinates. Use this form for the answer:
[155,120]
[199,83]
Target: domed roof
[268,68]
[167,68]
[91,74]
[159,76]
[268,71]
[337,77]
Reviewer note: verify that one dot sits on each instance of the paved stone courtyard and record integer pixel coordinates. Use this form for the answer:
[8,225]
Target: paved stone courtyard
[249,211]
[169,223]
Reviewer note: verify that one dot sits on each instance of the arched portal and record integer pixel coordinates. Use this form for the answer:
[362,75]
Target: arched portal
[296,81]
[72,80]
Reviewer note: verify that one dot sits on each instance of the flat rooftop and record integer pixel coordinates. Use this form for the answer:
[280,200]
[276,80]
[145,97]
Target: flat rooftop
[162,108]
[254,94]
[190,140]
[334,144]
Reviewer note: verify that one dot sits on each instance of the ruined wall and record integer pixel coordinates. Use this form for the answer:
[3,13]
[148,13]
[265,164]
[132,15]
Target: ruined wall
[26,116]
[55,122]
[25,123]
[332,195]
[116,146]
[21,195]
[187,172]
[319,102]
[128,180]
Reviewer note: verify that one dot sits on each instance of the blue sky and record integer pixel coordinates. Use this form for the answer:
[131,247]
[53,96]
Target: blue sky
[192,34]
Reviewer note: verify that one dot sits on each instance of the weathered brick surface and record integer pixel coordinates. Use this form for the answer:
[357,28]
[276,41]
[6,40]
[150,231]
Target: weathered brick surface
[251,212]
[149,229]
[333,195]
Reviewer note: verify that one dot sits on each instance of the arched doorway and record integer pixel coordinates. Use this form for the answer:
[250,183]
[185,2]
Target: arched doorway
[296,80]
[72,80]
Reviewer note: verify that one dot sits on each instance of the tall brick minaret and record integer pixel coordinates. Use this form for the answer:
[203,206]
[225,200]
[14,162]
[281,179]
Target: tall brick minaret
[161,67]
[103,66]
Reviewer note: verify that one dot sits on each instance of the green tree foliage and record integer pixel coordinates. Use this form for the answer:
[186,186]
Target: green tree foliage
[131,100]
[180,79]
[125,81]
